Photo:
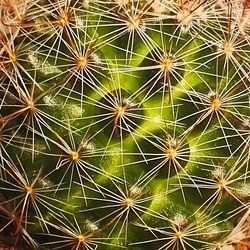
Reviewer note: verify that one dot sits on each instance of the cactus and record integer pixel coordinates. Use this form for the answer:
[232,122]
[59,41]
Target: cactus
[124,124]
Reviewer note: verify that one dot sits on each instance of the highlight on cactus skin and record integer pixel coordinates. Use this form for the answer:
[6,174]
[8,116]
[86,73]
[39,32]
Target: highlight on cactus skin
[125,124]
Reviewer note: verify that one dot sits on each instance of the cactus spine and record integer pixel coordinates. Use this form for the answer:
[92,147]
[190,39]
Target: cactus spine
[125,124]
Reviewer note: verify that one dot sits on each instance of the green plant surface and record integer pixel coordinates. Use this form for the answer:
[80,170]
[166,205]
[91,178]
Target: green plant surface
[124,124]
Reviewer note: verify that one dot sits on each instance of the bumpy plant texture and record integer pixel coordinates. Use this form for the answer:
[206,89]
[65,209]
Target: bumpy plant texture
[125,124]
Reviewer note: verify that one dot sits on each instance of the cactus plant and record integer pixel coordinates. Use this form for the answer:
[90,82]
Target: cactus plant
[124,124]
